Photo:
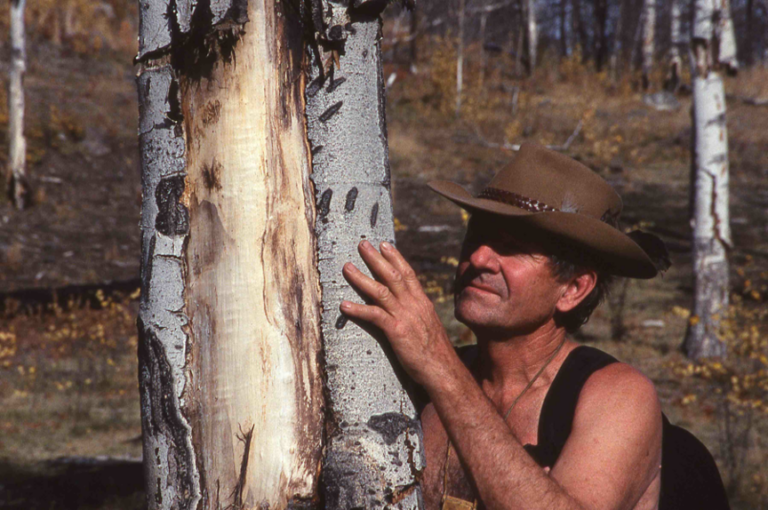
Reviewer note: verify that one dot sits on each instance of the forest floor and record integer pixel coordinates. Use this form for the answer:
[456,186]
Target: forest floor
[68,384]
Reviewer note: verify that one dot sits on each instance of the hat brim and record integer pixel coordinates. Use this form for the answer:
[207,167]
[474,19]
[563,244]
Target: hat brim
[621,255]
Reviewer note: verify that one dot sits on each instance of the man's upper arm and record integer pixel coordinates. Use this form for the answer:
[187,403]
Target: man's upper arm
[614,450]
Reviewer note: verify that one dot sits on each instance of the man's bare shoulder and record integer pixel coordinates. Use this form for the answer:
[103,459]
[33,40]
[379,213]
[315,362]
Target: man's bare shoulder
[620,389]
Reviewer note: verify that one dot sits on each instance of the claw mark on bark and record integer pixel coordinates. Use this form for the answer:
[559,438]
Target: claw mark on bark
[335,84]
[374,214]
[330,112]
[315,85]
[172,217]
[324,207]
[245,438]
[351,198]
[390,425]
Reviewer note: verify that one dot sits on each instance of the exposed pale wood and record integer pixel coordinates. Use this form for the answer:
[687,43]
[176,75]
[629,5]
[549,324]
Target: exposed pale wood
[230,368]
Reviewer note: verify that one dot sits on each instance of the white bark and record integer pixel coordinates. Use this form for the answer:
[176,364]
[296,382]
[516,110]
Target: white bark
[649,39]
[229,321]
[18,186]
[532,33]
[675,61]
[460,57]
[374,452]
[711,228]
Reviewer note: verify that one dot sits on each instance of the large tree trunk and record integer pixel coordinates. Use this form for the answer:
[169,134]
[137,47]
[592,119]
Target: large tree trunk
[649,40]
[618,47]
[713,49]
[229,322]
[17,183]
[374,445]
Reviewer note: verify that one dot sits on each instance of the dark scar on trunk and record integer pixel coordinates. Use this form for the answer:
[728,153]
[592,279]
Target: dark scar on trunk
[314,86]
[390,425]
[245,438]
[351,198]
[341,321]
[335,84]
[324,207]
[374,214]
[172,216]
[330,112]
[316,150]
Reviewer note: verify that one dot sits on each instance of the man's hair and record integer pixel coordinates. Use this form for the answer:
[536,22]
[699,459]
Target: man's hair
[567,262]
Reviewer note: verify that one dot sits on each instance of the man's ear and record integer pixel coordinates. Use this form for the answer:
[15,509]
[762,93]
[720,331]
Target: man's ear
[576,290]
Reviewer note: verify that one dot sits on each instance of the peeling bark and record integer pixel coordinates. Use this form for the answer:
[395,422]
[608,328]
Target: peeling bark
[17,184]
[710,221]
[230,346]
[374,452]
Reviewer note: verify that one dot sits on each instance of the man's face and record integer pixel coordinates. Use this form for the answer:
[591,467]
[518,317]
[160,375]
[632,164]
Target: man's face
[504,282]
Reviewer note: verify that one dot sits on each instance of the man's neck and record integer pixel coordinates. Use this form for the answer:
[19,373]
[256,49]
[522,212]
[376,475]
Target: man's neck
[508,364]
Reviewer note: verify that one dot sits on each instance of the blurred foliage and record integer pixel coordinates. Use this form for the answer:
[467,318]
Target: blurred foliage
[82,26]
[737,387]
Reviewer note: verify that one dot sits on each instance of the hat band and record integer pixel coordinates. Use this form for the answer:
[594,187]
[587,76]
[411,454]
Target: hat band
[523,202]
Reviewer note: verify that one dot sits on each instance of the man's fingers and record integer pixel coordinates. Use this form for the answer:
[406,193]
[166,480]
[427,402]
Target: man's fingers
[381,268]
[397,260]
[371,288]
[368,313]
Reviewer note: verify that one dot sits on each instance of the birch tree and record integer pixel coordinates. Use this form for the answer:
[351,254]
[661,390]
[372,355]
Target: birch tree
[531,33]
[16,180]
[374,443]
[649,40]
[460,57]
[230,321]
[672,82]
[714,51]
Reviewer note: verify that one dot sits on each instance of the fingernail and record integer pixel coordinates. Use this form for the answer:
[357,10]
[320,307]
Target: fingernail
[386,246]
[346,305]
[365,243]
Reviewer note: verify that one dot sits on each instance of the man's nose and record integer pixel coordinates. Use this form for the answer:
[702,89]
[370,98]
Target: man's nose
[484,257]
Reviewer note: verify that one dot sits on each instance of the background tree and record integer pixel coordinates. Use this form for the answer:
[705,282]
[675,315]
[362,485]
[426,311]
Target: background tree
[649,41]
[17,183]
[714,51]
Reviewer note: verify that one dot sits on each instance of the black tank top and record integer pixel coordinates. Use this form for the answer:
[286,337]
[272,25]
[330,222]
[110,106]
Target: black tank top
[689,476]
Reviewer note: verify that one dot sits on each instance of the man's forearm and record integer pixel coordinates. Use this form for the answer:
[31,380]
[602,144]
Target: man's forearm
[505,475]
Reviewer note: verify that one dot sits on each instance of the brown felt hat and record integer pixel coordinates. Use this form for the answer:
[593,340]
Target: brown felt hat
[554,193]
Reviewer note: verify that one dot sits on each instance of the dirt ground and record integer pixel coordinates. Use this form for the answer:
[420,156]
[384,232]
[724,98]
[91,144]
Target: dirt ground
[68,385]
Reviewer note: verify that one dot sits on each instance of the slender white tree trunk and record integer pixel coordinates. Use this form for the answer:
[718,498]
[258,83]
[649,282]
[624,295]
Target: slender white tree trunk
[649,40]
[532,35]
[374,443]
[17,183]
[675,61]
[713,49]
[460,57]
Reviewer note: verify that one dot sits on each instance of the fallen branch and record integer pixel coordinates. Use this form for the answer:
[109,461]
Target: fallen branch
[516,147]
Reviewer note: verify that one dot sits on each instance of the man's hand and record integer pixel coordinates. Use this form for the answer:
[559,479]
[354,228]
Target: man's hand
[401,309]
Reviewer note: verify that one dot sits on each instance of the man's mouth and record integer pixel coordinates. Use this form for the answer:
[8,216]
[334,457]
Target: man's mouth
[481,287]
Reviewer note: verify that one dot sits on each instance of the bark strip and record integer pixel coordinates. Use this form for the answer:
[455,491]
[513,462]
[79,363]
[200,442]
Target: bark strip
[374,451]
[17,184]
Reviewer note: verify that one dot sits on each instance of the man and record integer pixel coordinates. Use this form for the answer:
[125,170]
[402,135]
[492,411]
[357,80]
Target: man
[541,242]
